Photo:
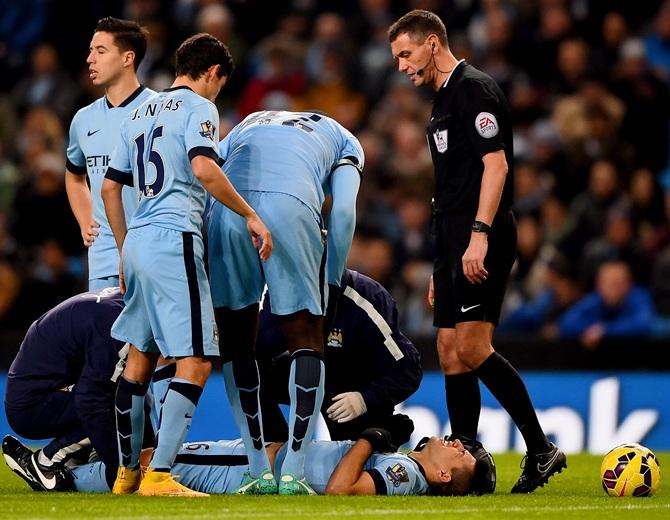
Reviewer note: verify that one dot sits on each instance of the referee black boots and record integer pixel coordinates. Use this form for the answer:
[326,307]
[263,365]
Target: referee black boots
[538,467]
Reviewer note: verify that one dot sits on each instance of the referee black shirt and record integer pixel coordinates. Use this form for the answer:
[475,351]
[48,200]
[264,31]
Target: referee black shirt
[470,118]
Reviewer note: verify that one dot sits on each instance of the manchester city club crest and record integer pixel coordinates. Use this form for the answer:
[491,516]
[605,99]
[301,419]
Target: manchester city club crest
[335,338]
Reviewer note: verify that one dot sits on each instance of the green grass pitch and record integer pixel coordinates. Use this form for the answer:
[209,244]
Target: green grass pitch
[575,493]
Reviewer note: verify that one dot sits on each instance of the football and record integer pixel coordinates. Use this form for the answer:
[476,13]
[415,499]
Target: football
[630,470]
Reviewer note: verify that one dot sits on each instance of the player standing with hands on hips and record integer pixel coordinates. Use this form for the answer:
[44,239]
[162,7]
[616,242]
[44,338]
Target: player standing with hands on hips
[470,139]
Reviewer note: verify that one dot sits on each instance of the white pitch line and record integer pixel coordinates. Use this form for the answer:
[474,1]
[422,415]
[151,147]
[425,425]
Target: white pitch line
[308,513]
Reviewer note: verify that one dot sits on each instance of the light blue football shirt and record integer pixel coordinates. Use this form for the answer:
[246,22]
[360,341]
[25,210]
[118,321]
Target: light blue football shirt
[288,152]
[218,467]
[157,143]
[94,133]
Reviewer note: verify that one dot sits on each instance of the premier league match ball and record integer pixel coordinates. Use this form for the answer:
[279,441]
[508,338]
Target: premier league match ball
[630,470]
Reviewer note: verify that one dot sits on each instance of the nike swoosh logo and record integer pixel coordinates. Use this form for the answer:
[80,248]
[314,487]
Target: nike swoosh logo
[89,133]
[544,467]
[466,309]
[49,483]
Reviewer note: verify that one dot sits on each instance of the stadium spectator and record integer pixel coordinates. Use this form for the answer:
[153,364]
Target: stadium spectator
[647,208]
[647,101]
[314,155]
[618,242]
[590,208]
[9,177]
[656,40]
[624,43]
[279,76]
[536,317]
[616,308]
[371,366]
[43,188]
[47,85]
[9,277]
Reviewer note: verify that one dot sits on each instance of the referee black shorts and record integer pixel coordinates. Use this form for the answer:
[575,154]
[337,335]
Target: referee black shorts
[456,299]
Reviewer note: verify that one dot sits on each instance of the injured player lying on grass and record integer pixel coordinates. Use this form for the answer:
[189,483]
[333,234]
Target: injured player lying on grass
[368,466]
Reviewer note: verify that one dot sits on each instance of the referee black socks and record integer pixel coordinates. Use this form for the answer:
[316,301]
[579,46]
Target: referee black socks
[508,388]
[463,403]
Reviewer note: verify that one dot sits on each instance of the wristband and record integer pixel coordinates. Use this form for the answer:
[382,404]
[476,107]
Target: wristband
[480,227]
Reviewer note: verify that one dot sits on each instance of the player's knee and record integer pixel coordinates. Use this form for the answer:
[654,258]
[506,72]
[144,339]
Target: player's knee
[472,353]
[194,369]
[447,353]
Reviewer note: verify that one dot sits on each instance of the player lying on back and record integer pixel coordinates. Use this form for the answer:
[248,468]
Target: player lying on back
[368,466]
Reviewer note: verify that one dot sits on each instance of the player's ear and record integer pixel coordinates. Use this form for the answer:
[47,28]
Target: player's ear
[444,476]
[129,58]
[213,72]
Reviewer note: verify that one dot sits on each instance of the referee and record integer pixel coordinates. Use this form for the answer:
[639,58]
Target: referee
[470,138]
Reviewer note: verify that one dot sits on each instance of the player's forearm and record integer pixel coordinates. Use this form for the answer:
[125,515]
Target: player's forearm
[340,235]
[215,182]
[223,191]
[111,197]
[79,196]
[342,221]
[348,471]
[493,181]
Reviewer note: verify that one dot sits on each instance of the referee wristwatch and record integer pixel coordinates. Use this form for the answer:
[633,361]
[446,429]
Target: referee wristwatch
[480,227]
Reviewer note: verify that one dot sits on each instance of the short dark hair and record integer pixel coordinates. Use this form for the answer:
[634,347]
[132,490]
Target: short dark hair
[419,24]
[198,53]
[461,484]
[128,36]
[484,479]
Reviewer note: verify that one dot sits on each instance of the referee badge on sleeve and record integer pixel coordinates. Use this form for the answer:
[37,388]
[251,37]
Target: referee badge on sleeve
[441,142]
[486,125]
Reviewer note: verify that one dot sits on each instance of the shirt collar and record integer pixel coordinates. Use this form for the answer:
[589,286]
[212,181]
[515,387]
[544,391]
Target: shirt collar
[453,73]
[128,100]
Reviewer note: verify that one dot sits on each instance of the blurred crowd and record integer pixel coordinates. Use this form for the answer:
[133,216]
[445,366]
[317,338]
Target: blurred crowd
[587,81]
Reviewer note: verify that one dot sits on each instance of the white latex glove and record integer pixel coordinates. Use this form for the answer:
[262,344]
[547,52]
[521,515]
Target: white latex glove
[346,406]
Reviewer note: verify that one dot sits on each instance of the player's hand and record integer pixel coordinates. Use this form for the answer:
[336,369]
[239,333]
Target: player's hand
[89,232]
[381,440]
[431,293]
[473,259]
[346,406]
[260,236]
[400,426]
[122,279]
